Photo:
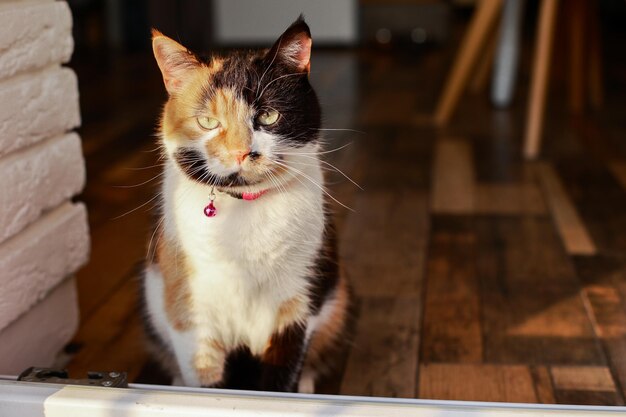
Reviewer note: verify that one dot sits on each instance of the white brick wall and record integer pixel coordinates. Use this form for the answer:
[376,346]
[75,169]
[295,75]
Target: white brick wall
[39,347]
[44,237]
[36,106]
[45,40]
[37,179]
[40,257]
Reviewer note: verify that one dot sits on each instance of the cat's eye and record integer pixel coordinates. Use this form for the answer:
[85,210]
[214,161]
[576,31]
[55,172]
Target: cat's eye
[268,118]
[208,123]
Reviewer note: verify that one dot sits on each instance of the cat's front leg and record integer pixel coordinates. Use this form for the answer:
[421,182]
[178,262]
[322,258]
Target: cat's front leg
[209,362]
[283,359]
[201,360]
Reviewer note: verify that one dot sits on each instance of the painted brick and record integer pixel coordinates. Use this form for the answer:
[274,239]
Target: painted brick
[38,258]
[36,337]
[46,39]
[37,179]
[37,107]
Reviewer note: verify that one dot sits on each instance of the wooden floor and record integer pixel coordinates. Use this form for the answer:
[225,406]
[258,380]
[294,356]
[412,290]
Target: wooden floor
[478,276]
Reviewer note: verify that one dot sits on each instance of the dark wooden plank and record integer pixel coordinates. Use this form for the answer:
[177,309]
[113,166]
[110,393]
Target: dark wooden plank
[543,384]
[600,200]
[591,385]
[452,324]
[112,339]
[386,257]
[394,159]
[453,177]
[587,398]
[383,358]
[604,293]
[117,249]
[120,199]
[496,142]
[582,378]
[531,307]
[386,342]
[476,382]
[572,230]
[509,199]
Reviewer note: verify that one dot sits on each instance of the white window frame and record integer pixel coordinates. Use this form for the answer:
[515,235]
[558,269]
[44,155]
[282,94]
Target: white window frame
[27,399]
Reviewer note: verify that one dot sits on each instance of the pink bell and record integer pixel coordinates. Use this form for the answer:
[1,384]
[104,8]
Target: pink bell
[210,210]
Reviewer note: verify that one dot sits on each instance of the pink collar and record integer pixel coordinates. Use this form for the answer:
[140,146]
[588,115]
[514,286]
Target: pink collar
[211,211]
[252,196]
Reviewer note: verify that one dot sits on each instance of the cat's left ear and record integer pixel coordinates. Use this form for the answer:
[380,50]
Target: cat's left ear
[175,61]
[293,48]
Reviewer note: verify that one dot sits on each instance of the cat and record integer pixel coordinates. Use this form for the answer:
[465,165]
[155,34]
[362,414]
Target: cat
[242,287]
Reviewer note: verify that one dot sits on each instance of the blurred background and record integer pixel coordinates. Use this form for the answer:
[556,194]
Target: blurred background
[488,247]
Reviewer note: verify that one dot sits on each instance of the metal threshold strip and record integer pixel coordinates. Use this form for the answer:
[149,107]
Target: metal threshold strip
[27,399]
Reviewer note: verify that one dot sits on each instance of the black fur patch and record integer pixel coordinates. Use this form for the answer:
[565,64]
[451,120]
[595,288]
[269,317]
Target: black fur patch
[193,164]
[278,369]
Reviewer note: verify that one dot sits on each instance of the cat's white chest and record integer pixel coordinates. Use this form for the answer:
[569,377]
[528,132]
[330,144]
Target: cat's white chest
[247,260]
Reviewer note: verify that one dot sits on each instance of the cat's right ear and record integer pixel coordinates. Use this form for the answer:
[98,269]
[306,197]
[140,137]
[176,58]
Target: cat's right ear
[293,48]
[175,61]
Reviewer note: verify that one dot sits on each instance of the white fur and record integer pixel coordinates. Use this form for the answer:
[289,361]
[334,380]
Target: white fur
[322,317]
[248,259]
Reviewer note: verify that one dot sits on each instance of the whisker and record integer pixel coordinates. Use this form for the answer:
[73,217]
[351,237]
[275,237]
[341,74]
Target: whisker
[297,171]
[340,130]
[317,153]
[152,249]
[333,168]
[140,184]
[281,184]
[143,168]
[268,67]
[136,208]
[158,148]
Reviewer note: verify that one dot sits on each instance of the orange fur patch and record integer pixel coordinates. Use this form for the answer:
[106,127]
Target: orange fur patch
[235,136]
[176,272]
[178,122]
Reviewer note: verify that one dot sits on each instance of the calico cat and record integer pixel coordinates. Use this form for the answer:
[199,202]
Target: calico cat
[242,287]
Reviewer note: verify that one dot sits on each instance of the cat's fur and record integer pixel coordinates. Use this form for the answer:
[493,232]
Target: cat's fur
[251,298]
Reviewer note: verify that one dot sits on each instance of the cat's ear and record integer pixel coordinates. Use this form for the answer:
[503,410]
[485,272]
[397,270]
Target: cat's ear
[293,48]
[175,61]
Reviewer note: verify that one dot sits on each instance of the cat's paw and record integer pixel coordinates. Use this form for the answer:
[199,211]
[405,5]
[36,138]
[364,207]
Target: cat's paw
[307,383]
[210,375]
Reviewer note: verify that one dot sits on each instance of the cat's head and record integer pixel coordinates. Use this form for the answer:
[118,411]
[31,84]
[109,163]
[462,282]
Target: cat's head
[233,121]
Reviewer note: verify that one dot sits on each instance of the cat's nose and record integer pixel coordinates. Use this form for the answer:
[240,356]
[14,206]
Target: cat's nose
[242,155]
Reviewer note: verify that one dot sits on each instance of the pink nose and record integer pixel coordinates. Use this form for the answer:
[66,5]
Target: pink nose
[241,155]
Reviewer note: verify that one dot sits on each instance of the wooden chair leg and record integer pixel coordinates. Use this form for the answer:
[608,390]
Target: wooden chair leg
[539,84]
[577,51]
[483,19]
[484,66]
